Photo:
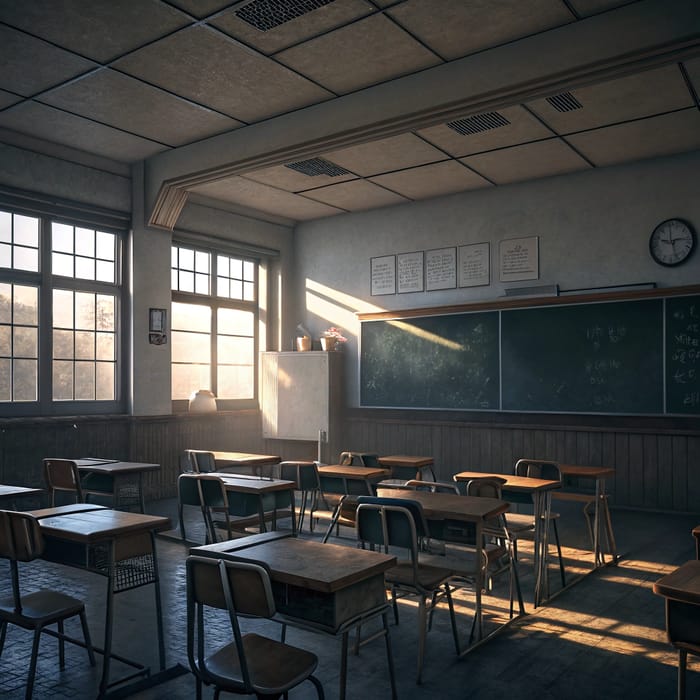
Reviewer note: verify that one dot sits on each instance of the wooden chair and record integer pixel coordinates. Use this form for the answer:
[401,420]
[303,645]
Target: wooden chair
[21,540]
[251,663]
[62,475]
[188,495]
[305,475]
[387,522]
[518,523]
[432,486]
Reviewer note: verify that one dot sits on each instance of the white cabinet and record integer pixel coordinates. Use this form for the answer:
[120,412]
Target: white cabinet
[300,394]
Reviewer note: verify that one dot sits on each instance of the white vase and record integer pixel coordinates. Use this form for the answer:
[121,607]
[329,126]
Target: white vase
[202,401]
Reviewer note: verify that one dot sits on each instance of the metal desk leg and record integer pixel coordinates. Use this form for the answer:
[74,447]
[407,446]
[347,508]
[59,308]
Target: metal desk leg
[542,507]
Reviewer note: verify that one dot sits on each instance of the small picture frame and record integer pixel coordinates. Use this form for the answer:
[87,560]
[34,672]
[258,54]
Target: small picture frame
[474,265]
[519,259]
[383,275]
[157,321]
[440,269]
[409,272]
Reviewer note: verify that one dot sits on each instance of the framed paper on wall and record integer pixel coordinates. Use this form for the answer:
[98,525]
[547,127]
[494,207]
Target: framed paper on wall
[519,259]
[409,272]
[440,269]
[474,265]
[383,275]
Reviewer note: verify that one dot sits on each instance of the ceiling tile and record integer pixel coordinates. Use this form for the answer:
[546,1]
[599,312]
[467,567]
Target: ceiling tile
[54,125]
[293,181]
[128,104]
[641,95]
[49,65]
[585,8]
[529,161]
[99,29]
[393,153]
[432,180]
[357,195]
[201,8]
[203,65]
[692,68]
[521,127]
[454,28]
[364,53]
[647,138]
[300,29]
[239,190]
[7,99]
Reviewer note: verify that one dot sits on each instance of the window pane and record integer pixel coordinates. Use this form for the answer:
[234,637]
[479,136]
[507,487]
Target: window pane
[222,265]
[186,281]
[235,351]
[249,291]
[201,283]
[62,308]
[187,379]
[222,287]
[106,271]
[105,312]
[62,264]
[26,230]
[5,226]
[190,347]
[84,345]
[26,259]
[5,255]
[5,341]
[63,345]
[85,268]
[249,271]
[193,317]
[84,310]
[26,309]
[235,382]
[5,380]
[105,346]
[5,303]
[202,262]
[24,380]
[25,342]
[62,380]
[236,289]
[84,381]
[104,391]
[106,245]
[236,268]
[85,242]
[186,260]
[61,238]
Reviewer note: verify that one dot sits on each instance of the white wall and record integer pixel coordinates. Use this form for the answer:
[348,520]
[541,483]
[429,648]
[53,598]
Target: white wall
[593,229]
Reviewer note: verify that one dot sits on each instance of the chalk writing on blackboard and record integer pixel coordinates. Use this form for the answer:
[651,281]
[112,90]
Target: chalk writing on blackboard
[683,355]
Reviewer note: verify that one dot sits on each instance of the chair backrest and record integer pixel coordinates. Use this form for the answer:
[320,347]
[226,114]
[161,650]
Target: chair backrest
[484,487]
[304,474]
[188,489]
[212,491]
[201,461]
[62,475]
[20,536]
[432,486]
[538,469]
[358,459]
[386,525]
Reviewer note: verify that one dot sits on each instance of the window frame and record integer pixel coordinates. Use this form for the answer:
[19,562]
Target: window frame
[83,217]
[215,302]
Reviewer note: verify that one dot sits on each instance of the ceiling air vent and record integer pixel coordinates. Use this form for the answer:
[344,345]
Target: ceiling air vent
[478,123]
[268,14]
[565,102]
[317,166]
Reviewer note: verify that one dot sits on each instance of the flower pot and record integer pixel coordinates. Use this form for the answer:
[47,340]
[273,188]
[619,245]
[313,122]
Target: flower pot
[304,343]
[328,343]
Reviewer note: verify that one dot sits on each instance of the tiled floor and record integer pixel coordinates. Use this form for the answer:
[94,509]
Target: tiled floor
[600,638]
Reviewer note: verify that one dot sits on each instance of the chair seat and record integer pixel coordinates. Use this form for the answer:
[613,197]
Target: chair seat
[274,667]
[40,608]
[429,576]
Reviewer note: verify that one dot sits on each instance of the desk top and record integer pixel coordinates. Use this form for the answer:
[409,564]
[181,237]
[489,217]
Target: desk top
[245,459]
[350,472]
[683,584]
[89,526]
[406,461]
[305,563]
[107,466]
[247,484]
[525,484]
[7,491]
[583,471]
[450,506]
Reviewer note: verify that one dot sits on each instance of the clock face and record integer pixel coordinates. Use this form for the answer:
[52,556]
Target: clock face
[672,242]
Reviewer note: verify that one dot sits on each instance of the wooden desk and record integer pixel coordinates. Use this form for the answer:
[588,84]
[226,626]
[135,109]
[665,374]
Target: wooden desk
[323,587]
[234,460]
[599,498]
[407,467]
[681,589]
[10,493]
[253,490]
[462,509]
[126,477]
[348,480]
[540,492]
[117,545]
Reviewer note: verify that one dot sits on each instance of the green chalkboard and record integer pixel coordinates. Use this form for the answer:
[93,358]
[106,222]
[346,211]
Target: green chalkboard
[432,362]
[592,358]
[683,355]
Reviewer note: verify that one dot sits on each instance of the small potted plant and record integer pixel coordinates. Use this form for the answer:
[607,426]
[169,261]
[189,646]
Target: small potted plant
[331,338]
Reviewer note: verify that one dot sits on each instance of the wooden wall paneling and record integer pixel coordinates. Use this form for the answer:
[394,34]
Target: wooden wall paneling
[665,472]
[607,459]
[693,468]
[680,472]
[650,461]
[636,470]
[622,469]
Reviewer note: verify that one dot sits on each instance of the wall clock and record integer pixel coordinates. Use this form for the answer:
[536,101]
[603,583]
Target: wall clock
[672,242]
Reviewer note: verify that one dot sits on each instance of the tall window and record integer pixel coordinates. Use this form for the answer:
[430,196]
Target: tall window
[60,296]
[214,317]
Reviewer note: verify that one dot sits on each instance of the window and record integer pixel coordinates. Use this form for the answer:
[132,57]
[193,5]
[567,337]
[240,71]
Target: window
[60,297]
[214,317]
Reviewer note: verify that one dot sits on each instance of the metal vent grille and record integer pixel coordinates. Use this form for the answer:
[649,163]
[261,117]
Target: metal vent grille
[478,123]
[565,102]
[317,166]
[268,14]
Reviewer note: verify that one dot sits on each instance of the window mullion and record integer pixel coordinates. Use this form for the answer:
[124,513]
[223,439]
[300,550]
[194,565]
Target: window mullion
[45,320]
